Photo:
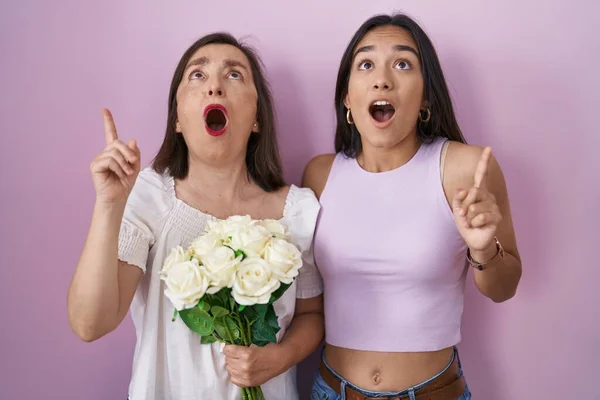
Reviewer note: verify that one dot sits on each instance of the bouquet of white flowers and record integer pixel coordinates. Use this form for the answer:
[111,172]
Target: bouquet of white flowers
[224,284]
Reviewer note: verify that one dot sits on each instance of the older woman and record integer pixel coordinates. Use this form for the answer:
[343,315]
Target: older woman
[219,158]
[406,207]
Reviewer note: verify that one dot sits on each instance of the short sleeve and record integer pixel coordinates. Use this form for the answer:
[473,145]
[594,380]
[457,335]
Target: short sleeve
[143,219]
[301,214]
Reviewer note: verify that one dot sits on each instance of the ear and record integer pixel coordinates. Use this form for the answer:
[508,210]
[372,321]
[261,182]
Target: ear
[424,103]
[255,127]
[177,126]
[346,101]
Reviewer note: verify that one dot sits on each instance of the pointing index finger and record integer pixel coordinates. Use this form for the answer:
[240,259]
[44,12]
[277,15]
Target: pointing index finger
[110,130]
[482,167]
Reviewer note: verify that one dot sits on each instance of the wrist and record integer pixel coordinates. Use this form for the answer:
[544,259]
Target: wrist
[108,211]
[485,254]
[481,258]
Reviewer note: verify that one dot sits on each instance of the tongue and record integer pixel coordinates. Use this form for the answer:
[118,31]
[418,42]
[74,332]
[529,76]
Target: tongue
[383,115]
[216,127]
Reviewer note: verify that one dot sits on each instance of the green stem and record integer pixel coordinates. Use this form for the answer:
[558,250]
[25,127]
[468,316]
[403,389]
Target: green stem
[245,342]
[249,330]
[232,341]
[260,394]
[245,394]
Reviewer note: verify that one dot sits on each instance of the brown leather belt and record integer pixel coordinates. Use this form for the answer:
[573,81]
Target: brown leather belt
[447,386]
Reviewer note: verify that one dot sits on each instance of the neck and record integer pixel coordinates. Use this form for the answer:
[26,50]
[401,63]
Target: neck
[223,181]
[377,159]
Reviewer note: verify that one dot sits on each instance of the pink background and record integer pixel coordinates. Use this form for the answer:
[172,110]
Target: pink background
[524,78]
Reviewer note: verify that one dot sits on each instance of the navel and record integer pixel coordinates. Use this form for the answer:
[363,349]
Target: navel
[376,378]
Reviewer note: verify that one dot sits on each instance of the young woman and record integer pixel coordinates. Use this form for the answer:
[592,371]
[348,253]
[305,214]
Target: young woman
[406,207]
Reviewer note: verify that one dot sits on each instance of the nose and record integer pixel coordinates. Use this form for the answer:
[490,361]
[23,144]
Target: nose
[215,88]
[382,82]
[215,91]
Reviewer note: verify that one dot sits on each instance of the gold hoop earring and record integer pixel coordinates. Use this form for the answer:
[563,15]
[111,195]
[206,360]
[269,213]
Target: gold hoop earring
[349,117]
[427,112]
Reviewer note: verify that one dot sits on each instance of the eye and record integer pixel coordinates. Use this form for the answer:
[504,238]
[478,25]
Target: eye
[403,64]
[365,65]
[196,75]
[235,75]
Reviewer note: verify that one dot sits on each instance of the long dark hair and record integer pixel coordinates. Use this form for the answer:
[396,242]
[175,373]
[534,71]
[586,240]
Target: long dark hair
[262,155]
[442,121]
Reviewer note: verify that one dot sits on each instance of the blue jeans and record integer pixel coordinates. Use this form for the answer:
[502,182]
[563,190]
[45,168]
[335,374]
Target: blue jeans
[322,391]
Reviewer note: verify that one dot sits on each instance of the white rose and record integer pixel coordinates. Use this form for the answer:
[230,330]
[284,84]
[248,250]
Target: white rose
[220,266]
[254,283]
[276,228]
[177,255]
[251,239]
[284,258]
[205,244]
[186,284]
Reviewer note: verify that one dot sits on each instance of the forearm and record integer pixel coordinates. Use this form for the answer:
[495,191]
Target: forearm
[303,337]
[93,298]
[500,278]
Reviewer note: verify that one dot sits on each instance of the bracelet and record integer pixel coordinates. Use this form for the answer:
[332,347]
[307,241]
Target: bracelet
[480,266]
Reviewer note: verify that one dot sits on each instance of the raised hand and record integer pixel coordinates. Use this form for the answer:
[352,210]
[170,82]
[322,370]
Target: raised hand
[476,213]
[115,169]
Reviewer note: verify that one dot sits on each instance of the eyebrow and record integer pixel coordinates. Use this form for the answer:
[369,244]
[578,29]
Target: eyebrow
[398,47]
[201,61]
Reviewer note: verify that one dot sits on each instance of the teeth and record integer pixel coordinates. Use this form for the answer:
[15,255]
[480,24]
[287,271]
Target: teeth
[381,103]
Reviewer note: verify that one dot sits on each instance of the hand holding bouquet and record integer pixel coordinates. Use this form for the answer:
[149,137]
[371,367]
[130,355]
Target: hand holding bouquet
[224,284]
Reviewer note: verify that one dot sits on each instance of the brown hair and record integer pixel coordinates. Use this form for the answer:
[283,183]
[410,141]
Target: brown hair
[262,155]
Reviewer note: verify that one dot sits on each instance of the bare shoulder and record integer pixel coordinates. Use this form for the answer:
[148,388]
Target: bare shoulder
[316,173]
[460,166]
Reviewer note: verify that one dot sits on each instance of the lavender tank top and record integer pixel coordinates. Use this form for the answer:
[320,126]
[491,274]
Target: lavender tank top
[391,258]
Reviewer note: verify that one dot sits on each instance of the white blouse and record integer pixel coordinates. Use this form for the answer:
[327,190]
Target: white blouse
[169,361]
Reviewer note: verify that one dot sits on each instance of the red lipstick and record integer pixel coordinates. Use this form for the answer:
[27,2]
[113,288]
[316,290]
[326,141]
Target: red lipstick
[215,118]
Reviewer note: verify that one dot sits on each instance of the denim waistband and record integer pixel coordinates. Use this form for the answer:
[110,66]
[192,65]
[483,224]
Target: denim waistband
[409,391]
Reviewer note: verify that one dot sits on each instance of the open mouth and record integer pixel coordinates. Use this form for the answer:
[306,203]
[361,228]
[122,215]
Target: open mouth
[382,111]
[215,117]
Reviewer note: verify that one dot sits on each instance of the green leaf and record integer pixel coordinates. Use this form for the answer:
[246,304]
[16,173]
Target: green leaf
[279,292]
[261,310]
[240,253]
[227,328]
[262,333]
[241,308]
[197,320]
[233,327]
[212,300]
[232,303]
[218,311]
[271,319]
[223,295]
[203,305]
[207,339]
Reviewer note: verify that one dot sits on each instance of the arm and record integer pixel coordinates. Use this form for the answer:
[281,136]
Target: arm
[102,287]
[482,213]
[500,278]
[305,333]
